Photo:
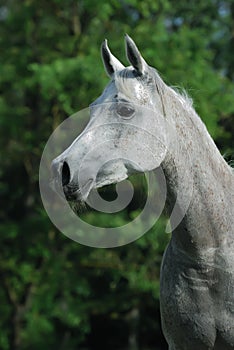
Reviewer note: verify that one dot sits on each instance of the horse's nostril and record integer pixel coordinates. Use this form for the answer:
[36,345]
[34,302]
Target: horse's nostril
[65,174]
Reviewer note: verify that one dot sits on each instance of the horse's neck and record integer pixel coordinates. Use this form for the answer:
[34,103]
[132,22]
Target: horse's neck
[201,180]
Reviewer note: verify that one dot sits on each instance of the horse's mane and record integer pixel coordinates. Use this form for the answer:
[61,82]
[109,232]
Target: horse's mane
[128,75]
[183,95]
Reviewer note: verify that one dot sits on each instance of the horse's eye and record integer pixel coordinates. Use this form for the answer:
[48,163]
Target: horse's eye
[125,111]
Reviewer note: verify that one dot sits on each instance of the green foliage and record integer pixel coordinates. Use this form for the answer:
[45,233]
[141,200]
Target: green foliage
[51,288]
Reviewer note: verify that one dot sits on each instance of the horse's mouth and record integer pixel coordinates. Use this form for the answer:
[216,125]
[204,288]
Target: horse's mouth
[76,194]
[79,192]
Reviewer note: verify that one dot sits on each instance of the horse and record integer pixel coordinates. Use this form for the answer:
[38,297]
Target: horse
[197,270]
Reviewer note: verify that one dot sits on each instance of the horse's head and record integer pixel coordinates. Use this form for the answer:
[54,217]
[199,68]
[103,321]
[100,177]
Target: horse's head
[125,133]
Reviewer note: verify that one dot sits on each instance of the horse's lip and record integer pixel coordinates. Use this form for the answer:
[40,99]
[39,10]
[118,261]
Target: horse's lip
[70,194]
[76,193]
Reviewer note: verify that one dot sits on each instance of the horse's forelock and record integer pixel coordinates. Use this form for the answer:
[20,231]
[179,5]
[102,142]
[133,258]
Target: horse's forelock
[126,79]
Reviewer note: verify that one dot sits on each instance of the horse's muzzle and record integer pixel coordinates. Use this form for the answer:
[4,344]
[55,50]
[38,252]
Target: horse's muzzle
[67,184]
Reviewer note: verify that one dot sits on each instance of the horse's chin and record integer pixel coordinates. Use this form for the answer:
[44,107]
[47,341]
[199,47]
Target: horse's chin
[78,206]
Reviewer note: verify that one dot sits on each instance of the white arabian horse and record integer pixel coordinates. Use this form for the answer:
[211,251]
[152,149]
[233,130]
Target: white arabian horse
[197,273]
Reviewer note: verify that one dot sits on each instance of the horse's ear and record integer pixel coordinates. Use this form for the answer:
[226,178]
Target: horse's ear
[111,63]
[134,56]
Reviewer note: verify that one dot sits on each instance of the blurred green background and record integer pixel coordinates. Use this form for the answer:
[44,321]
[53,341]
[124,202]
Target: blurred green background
[55,293]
